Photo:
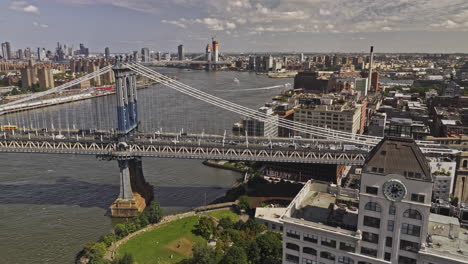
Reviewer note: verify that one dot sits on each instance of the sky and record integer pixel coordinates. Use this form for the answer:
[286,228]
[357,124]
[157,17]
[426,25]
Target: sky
[438,26]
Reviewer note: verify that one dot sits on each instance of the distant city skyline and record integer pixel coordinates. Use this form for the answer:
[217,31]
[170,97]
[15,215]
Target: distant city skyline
[436,26]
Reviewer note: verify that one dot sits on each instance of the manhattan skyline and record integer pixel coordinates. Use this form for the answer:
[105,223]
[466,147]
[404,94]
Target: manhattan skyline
[240,26]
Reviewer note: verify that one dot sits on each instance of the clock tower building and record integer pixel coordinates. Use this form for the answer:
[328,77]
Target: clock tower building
[394,202]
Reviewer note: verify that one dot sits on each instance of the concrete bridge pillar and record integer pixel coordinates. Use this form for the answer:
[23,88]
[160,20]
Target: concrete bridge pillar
[135,193]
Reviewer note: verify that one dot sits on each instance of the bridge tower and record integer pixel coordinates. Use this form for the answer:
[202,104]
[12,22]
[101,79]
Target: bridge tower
[135,192]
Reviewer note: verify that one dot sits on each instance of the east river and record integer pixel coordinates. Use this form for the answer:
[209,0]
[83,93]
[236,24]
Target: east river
[50,205]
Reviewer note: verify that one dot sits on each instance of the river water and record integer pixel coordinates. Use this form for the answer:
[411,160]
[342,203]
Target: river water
[50,205]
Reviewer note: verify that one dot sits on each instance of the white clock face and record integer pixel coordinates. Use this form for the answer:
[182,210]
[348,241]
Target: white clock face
[394,190]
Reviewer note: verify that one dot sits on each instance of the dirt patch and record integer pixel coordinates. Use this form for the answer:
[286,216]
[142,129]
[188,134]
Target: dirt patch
[182,246]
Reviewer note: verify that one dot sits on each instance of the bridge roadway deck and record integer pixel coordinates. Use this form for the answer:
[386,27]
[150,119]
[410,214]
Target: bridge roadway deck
[180,149]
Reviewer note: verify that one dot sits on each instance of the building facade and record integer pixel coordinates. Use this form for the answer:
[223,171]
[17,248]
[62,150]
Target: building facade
[386,221]
[328,113]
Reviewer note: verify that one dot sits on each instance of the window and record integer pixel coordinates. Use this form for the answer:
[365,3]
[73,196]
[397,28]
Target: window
[391,210]
[273,226]
[345,260]
[310,238]
[417,197]
[409,246]
[371,206]
[347,247]
[309,251]
[372,190]
[411,213]
[293,234]
[387,256]
[388,241]
[292,258]
[390,225]
[328,242]
[369,252]
[371,221]
[406,260]
[292,246]
[380,170]
[308,261]
[327,255]
[370,237]
[412,230]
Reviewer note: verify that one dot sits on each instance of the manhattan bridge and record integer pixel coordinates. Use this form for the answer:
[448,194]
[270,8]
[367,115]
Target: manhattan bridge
[117,131]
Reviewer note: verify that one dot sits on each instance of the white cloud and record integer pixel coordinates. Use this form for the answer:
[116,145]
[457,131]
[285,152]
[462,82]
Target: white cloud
[178,23]
[24,6]
[37,24]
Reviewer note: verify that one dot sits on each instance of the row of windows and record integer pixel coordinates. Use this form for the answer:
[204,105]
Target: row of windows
[407,229]
[374,190]
[323,241]
[409,213]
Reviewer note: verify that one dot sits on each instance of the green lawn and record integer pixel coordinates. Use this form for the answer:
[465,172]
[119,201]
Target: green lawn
[218,214]
[157,246]
[174,238]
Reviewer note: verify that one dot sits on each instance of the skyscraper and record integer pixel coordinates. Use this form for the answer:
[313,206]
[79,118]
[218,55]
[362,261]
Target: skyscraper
[4,51]
[158,55]
[180,50]
[301,57]
[145,55]
[208,52]
[215,50]
[46,78]
[107,53]
[20,54]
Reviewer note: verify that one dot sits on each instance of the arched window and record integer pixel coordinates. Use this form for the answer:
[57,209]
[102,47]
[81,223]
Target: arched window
[309,251]
[411,213]
[327,255]
[371,206]
[292,246]
[345,260]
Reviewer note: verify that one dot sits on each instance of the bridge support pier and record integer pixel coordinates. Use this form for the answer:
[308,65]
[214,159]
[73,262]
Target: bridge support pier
[135,193]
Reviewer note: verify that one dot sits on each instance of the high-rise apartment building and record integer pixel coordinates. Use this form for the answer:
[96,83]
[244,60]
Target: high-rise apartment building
[180,52]
[46,78]
[107,53]
[20,54]
[208,52]
[215,51]
[145,55]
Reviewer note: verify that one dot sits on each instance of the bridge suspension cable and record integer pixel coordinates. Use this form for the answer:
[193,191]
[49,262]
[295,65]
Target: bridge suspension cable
[296,126]
[58,88]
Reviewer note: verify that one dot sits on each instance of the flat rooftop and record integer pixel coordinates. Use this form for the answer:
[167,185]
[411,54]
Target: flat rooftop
[269,214]
[456,248]
[325,206]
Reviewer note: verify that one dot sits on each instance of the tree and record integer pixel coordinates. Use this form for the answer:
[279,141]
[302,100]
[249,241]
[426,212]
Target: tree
[235,255]
[244,203]
[127,258]
[120,230]
[226,223]
[205,227]
[202,254]
[454,202]
[154,212]
[253,251]
[252,226]
[108,239]
[141,220]
[270,248]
